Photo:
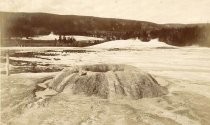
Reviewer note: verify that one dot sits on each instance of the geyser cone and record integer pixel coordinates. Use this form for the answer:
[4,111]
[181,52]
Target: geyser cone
[107,81]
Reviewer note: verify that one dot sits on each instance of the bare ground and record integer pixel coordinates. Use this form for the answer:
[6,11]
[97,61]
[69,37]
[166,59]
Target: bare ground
[184,71]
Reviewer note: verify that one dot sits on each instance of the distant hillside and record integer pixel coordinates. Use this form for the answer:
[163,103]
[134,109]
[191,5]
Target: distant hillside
[33,24]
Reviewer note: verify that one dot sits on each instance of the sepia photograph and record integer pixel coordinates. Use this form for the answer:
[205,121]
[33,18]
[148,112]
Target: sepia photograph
[105,62]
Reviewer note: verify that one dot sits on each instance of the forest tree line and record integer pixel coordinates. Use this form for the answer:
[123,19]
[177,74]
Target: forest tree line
[33,24]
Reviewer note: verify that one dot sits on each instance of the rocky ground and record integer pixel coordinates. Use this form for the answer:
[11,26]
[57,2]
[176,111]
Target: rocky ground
[183,71]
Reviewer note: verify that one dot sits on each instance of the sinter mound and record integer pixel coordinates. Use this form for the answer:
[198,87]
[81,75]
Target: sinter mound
[107,81]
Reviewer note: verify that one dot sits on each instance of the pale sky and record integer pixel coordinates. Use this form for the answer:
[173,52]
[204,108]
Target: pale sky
[158,11]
